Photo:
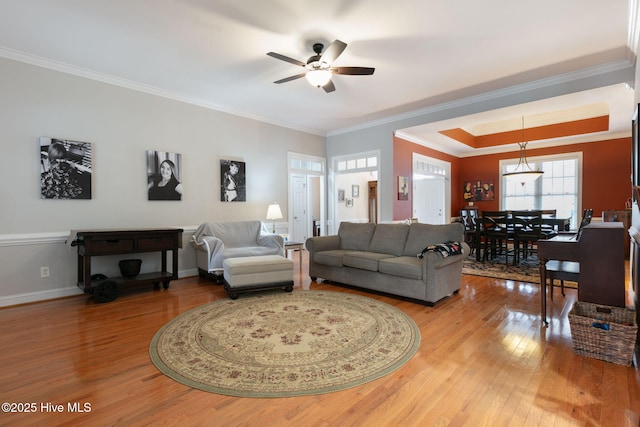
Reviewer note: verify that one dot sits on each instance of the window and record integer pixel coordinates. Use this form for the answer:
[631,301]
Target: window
[357,163]
[306,164]
[558,188]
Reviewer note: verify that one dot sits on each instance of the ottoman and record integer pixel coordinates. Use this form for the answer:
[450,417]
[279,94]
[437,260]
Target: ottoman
[257,273]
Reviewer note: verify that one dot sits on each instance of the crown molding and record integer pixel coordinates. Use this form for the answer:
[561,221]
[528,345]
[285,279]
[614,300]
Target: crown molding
[633,33]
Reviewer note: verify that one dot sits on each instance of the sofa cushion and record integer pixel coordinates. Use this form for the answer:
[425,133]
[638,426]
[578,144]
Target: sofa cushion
[363,260]
[404,266]
[247,251]
[332,258]
[422,235]
[389,239]
[355,236]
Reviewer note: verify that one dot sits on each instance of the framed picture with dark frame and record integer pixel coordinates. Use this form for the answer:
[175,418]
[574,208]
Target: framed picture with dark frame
[164,175]
[233,179]
[65,169]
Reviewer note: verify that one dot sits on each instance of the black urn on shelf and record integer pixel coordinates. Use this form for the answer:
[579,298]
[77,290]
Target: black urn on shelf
[129,268]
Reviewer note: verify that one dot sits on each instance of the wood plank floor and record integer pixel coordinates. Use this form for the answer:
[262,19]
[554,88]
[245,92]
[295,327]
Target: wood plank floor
[483,360]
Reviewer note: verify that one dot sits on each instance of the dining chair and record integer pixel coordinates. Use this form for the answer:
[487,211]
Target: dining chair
[527,230]
[548,230]
[469,217]
[495,234]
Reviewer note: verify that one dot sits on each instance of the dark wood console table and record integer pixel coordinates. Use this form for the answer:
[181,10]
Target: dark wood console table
[92,243]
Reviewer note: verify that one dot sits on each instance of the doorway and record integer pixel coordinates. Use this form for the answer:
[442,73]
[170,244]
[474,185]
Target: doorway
[431,190]
[349,179]
[307,200]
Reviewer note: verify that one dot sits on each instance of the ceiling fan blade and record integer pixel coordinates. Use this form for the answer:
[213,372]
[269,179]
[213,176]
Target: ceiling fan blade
[329,87]
[286,59]
[288,79]
[332,52]
[353,71]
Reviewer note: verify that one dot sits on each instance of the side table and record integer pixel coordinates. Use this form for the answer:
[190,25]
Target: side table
[294,246]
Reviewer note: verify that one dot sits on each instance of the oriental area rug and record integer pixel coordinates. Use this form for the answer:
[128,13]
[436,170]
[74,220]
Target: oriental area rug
[527,269]
[278,344]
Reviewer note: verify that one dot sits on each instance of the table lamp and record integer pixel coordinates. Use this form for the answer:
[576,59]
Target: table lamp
[274,213]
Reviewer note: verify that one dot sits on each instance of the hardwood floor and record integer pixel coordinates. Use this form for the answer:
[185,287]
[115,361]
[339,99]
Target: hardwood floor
[483,360]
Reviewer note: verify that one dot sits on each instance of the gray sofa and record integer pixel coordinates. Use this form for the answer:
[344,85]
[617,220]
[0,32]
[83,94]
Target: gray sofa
[383,258]
[217,241]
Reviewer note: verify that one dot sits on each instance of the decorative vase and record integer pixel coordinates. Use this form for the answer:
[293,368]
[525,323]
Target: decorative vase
[129,268]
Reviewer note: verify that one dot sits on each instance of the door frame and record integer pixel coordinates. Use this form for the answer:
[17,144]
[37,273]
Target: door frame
[418,159]
[296,163]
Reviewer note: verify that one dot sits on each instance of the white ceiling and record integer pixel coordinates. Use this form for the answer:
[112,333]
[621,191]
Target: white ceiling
[213,53]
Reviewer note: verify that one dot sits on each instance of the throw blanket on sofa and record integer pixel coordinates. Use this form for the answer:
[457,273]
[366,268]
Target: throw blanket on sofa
[445,249]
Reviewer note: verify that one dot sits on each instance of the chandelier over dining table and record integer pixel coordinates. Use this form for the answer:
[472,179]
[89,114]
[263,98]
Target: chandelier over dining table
[523,172]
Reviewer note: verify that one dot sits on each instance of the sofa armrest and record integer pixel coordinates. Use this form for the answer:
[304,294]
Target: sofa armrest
[322,243]
[213,246]
[271,240]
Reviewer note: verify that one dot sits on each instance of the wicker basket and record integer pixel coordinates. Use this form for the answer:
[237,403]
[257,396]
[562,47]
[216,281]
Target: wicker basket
[591,338]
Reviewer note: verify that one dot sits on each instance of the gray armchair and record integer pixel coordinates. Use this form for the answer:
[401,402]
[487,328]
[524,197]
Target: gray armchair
[216,241]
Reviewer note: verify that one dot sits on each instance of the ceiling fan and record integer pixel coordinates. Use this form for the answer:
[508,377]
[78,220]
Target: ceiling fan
[318,67]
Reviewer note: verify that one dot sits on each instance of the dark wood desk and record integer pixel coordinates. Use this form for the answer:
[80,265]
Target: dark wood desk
[600,253]
[92,243]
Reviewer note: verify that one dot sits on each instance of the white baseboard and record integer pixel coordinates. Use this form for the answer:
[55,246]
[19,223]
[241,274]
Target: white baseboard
[25,298]
[29,297]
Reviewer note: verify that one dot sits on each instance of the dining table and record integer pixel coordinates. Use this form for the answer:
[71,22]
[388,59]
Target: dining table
[559,225]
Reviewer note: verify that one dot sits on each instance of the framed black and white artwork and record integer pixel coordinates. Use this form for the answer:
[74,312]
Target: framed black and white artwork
[65,169]
[164,175]
[232,179]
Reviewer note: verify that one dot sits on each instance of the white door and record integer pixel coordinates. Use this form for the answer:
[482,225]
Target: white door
[429,200]
[298,220]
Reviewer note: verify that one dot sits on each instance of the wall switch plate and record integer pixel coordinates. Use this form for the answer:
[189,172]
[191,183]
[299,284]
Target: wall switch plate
[44,271]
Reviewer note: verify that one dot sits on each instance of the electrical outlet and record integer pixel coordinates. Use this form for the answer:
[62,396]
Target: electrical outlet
[44,271]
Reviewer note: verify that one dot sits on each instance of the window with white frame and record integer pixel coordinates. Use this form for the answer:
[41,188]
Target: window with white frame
[558,188]
[308,165]
[368,162]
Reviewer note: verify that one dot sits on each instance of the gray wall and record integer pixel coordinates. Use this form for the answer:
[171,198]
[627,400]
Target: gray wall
[121,124]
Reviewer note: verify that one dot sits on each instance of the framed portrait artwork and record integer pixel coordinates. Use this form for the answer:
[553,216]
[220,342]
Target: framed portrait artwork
[355,191]
[164,172]
[65,169]
[341,195]
[232,179]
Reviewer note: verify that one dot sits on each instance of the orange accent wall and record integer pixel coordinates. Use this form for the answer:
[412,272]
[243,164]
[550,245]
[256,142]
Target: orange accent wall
[606,173]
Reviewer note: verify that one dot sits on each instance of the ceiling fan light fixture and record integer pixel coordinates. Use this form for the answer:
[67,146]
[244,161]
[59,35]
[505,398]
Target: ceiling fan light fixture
[318,78]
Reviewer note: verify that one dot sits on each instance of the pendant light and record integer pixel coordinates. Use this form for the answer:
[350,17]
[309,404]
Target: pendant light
[523,173]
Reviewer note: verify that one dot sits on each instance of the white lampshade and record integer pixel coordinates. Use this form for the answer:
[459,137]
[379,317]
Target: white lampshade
[274,212]
[318,78]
